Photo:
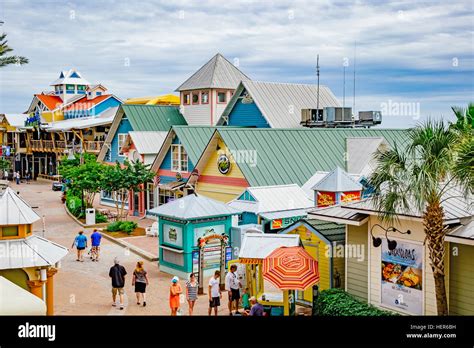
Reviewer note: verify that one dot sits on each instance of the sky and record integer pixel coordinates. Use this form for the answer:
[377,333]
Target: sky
[412,61]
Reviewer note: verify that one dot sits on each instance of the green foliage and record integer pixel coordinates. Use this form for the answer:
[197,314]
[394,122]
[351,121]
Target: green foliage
[100,218]
[74,205]
[4,49]
[4,164]
[337,302]
[124,226]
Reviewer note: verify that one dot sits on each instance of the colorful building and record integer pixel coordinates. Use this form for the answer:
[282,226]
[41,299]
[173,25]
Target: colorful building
[205,94]
[381,266]
[274,104]
[237,158]
[29,261]
[137,118]
[273,207]
[194,236]
[166,99]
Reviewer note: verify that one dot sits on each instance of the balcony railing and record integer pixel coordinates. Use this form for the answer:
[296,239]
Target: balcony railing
[93,146]
[60,144]
[48,145]
[36,145]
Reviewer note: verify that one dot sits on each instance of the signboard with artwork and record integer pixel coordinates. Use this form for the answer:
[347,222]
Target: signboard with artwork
[173,235]
[284,222]
[326,199]
[402,277]
[350,196]
[207,232]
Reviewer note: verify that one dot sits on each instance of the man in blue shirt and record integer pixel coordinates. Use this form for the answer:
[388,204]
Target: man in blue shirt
[80,242]
[256,310]
[95,240]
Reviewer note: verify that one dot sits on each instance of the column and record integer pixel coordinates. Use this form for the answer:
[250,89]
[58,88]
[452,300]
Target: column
[50,291]
[131,202]
[36,288]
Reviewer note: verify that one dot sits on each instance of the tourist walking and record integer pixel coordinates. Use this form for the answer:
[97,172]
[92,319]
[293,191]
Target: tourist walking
[95,241]
[232,286]
[215,294]
[80,242]
[17,177]
[117,273]
[140,281]
[191,292]
[256,310]
[175,292]
[28,177]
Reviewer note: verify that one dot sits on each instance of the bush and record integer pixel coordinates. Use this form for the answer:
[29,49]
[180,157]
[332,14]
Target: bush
[74,205]
[100,218]
[337,302]
[124,226]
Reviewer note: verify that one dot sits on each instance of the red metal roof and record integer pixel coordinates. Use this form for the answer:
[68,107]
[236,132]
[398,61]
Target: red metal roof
[51,101]
[85,104]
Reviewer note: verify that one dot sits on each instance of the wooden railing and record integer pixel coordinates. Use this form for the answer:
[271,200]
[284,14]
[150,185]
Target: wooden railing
[60,144]
[48,145]
[93,146]
[36,145]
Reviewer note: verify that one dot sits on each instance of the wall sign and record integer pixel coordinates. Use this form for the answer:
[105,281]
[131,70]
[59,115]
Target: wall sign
[351,196]
[173,235]
[223,164]
[203,235]
[325,199]
[402,275]
[247,99]
[284,222]
[179,177]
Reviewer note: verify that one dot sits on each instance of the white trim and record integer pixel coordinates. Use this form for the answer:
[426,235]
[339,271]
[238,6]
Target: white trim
[339,220]
[459,240]
[345,258]
[172,249]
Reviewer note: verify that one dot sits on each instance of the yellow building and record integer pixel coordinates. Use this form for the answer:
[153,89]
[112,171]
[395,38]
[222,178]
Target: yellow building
[29,261]
[166,99]
[392,270]
[324,241]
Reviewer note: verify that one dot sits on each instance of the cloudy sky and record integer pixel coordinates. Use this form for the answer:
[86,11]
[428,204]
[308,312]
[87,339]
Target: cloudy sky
[412,61]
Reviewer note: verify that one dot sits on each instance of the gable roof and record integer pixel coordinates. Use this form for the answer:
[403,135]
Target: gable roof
[273,198]
[50,101]
[86,104]
[317,177]
[330,231]
[193,138]
[360,151]
[218,72]
[104,118]
[147,142]
[15,211]
[292,156]
[143,118]
[71,76]
[15,120]
[281,103]
[337,181]
[193,207]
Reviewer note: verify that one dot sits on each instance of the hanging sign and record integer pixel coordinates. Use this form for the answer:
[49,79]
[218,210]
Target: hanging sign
[284,222]
[402,275]
[326,199]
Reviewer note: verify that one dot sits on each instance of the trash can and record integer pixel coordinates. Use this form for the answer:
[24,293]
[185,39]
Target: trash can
[90,216]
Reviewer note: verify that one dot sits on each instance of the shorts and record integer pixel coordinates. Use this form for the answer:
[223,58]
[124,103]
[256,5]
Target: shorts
[115,290]
[234,295]
[81,248]
[95,249]
[140,287]
[215,302]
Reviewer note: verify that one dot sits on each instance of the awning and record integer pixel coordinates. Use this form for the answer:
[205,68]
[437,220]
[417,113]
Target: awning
[15,300]
[174,185]
[284,214]
[339,214]
[462,234]
[259,245]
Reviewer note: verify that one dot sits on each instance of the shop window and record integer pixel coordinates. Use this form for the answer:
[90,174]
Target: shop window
[9,231]
[221,97]
[187,98]
[151,195]
[204,97]
[121,140]
[179,159]
[165,196]
[195,98]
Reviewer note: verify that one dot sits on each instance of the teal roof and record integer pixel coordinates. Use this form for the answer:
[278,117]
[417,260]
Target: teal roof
[194,139]
[332,231]
[292,156]
[153,117]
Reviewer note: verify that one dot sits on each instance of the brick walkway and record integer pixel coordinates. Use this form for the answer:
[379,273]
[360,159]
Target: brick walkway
[83,288]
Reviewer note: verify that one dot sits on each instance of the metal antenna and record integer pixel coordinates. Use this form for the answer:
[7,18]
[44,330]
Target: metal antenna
[343,86]
[317,73]
[354,91]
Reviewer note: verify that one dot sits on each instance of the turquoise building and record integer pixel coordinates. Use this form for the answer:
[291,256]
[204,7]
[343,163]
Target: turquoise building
[194,237]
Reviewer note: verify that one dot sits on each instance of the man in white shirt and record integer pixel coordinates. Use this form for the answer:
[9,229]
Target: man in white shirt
[232,286]
[215,294]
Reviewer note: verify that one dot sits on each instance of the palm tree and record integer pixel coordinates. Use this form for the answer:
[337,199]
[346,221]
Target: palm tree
[418,178]
[4,49]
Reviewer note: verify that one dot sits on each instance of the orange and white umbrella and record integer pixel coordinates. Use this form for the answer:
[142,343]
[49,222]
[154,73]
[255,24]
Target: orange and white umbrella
[291,268]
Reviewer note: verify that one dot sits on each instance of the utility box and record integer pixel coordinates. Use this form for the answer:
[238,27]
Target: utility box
[90,216]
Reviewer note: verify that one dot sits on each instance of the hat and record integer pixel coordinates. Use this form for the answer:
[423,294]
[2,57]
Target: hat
[253,299]
[175,279]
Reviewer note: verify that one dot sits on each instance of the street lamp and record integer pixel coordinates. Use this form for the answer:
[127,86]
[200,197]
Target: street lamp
[392,244]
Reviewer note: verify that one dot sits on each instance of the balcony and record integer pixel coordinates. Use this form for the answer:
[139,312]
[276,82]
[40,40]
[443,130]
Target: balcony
[48,145]
[36,145]
[60,145]
[93,146]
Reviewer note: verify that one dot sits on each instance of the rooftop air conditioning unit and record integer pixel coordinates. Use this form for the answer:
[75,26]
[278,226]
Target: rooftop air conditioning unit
[374,117]
[311,115]
[337,114]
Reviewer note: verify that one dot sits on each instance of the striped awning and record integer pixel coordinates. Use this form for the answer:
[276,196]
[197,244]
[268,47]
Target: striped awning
[291,268]
[250,261]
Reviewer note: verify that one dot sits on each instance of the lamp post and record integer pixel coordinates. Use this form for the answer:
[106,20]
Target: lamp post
[392,244]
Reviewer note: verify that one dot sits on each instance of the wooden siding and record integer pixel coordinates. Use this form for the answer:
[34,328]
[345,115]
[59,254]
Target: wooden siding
[357,270]
[461,283]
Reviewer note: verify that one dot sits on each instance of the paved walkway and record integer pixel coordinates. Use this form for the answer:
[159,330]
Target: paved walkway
[83,288]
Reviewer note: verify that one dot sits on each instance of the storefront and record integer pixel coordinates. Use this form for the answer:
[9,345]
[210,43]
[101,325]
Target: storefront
[194,236]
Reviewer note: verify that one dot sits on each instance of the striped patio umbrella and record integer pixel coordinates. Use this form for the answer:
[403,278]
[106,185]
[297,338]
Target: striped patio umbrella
[291,268]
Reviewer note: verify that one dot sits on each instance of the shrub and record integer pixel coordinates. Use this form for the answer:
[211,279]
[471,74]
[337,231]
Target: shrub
[124,226]
[337,302]
[74,205]
[100,218]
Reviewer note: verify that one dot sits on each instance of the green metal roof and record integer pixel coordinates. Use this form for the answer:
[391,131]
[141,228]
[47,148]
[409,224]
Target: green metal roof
[332,231]
[194,139]
[153,117]
[292,156]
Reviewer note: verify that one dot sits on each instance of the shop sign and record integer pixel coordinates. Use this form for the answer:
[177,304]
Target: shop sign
[247,99]
[402,276]
[202,235]
[195,257]
[326,199]
[179,177]
[228,255]
[223,164]
[284,222]
[173,235]
[351,196]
